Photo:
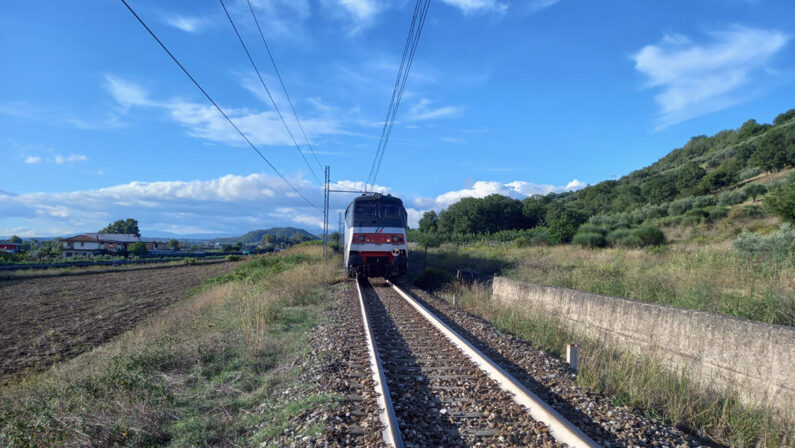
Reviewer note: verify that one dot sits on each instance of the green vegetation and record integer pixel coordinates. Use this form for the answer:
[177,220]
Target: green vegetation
[752,280]
[128,225]
[138,248]
[276,235]
[208,371]
[641,383]
[781,201]
[692,185]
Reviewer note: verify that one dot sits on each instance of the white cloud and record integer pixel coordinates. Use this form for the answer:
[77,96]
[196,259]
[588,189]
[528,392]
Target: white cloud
[59,159]
[125,92]
[422,111]
[538,5]
[517,189]
[32,159]
[361,10]
[189,24]
[205,122]
[471,6]
[221,205]
[698,79]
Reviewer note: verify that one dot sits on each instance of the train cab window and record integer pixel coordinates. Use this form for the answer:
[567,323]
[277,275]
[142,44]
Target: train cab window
[365,211]
[390,211]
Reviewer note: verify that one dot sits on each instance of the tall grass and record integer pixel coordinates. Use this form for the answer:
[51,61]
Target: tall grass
[192,375]
[710,278]
[639,382]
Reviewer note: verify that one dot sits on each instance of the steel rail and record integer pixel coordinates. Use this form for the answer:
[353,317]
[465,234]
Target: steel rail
[560,428]
[390,433]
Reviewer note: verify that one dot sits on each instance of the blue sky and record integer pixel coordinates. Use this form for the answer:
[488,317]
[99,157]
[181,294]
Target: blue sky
[511,97]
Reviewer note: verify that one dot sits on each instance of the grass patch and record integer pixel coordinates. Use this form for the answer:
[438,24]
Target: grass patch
[639,382]
[711,277]
[207,371]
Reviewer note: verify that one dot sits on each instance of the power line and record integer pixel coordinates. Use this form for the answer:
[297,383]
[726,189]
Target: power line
[204,92]
[278,75]
[409,50]
[262,81]
[423,14]
[394,91]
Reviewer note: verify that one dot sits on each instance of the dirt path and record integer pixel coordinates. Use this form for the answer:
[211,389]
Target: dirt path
[48,320]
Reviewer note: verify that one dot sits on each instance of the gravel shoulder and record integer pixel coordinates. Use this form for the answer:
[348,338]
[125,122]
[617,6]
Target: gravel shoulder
[550,378]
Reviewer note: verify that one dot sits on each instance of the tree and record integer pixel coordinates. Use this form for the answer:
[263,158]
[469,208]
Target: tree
[267,239]
[775,150]
[534,209]
[785,117]
[428,223]
[781,201]
[173,244]
[237,246]
[227,248]
[751,128]
[128,226]
[137,248]
[688,177]
[336,238]
[15,239]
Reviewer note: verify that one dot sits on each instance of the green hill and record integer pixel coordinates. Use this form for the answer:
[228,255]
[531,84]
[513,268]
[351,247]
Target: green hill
[278,233]
[702,182]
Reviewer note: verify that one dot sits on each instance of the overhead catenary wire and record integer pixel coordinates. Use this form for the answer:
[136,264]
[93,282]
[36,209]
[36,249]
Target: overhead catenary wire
[221,111]
[262,81]
[409,50]
[284,88]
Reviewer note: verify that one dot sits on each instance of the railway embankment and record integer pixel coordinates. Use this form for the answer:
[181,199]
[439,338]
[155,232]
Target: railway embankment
[754,360]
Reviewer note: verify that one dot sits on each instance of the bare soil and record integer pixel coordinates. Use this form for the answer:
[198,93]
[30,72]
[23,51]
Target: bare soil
[48,320]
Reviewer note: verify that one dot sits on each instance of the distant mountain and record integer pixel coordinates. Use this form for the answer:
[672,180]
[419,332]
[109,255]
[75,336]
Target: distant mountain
[255,236]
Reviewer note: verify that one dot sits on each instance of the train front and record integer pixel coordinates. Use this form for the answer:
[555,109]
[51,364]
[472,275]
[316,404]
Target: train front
[375,236]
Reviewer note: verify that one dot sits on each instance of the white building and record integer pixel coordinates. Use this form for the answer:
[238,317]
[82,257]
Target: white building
[93,243]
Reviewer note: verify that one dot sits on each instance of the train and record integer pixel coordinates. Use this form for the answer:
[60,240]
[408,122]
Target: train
[375,236]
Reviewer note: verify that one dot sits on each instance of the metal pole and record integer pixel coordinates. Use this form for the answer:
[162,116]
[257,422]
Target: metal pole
[325,213]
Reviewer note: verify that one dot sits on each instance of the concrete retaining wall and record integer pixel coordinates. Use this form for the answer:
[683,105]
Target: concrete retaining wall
[755,359]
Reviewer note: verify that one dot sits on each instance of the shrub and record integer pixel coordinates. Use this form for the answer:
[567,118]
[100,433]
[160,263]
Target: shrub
[649,235]
[732,197]
[590,228]
[755,190]
[716,213]
[704,201]
[776,249]
[233,258]
[781,202]
[680,206]
[748,211]
[631,240]
[750,172]
[589,239]
[520,242]
[137,248]
[617,235]
[432,278]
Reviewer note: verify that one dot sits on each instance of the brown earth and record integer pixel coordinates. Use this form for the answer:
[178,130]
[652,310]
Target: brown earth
[47,320]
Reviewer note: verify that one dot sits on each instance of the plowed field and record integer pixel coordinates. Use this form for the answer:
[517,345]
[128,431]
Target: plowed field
[51,319]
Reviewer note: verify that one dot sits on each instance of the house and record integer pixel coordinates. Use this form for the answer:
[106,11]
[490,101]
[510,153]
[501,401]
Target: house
[10,247]
[156,245]
[90,244]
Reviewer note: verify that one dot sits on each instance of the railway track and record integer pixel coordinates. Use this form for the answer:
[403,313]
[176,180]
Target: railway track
[436,389]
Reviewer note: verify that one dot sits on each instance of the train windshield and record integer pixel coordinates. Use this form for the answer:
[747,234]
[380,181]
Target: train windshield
[378,214]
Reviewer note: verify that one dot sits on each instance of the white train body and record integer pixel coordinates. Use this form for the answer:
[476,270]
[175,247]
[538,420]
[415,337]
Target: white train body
[375,236]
